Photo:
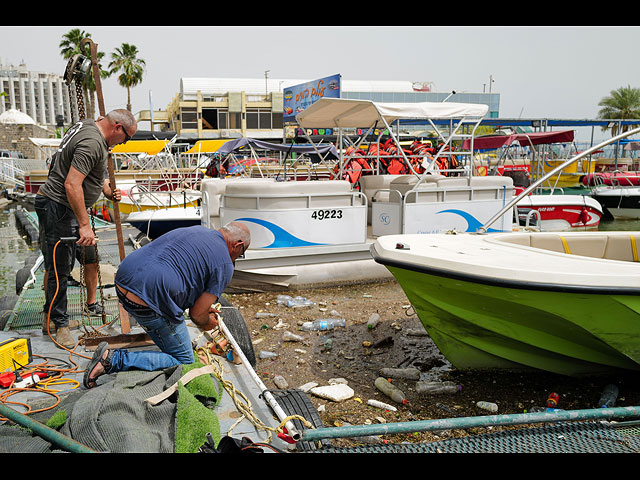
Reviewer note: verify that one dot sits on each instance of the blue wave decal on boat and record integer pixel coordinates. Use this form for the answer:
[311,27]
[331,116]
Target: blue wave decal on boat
[282,238]
[473,224]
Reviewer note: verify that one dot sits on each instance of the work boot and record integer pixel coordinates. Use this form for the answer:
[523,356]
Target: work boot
[64,337]
[73,324]
[94,309]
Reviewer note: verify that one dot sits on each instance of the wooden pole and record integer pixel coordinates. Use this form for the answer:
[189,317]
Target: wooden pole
[93,47]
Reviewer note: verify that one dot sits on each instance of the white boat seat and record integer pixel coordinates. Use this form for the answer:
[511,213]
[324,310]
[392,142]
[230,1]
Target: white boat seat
[286,195]
[621,246]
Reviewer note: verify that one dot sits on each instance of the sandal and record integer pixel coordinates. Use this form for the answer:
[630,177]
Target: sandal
[95,360]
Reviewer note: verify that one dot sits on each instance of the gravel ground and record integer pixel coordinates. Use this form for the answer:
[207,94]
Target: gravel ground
[356,354]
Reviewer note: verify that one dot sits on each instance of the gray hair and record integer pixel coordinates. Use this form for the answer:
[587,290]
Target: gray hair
[238,232]
[123,116]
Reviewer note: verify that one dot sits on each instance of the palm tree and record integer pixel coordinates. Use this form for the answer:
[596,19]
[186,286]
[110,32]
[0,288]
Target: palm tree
[70,46]
[621,104]
[125,59]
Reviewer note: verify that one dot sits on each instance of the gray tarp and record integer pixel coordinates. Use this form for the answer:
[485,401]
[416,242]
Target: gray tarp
[233,145]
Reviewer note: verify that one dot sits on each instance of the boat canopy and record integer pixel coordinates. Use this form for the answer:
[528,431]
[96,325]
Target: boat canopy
[151,147]
[347,113]
[206,146]
[492,142]
[234,145]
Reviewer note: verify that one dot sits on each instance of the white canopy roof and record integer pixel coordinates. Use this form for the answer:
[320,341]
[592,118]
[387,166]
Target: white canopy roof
[345,113]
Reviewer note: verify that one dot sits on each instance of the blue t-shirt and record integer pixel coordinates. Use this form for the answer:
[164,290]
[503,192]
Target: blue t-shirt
[171,272]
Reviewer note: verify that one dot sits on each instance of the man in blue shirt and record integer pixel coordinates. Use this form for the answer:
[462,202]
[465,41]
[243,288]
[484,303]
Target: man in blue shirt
[186,268]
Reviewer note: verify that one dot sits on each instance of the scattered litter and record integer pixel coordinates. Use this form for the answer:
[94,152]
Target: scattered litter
[437,387]
[336,393]
[263,354]
[373,320]
[307,386]
[280,382]
[266,315]
[404,373]
[386,341]
[287,336]
[492,407]
[323,324]
[281,325]
[415,332]
[382,405]
[390,390]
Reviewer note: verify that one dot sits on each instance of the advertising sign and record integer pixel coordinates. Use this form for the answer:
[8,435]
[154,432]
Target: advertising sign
[299,97]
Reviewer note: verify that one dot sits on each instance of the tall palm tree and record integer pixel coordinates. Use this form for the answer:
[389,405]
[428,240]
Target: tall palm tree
[70,46]
[125,59]
[621,104]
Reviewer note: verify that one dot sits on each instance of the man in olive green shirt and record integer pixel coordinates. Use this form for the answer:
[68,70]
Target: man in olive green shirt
[76,179]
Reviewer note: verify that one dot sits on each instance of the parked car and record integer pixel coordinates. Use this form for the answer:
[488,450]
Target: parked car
[11,154]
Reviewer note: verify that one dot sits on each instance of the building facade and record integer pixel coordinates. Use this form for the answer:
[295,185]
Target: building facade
[218,108]
[40,95]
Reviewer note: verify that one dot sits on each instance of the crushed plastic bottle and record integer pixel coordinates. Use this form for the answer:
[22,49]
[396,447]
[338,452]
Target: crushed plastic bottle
[283,299]
[287,336]
[373,321]
[263,354]
[404,373]
[437,387]
[323,324]
[299,302]
[608,397]
[390,390]
[492,407]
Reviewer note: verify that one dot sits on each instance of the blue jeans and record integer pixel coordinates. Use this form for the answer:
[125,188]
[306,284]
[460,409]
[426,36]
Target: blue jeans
[172,338]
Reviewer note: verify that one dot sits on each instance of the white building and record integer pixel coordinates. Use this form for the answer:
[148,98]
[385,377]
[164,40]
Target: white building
[40,95]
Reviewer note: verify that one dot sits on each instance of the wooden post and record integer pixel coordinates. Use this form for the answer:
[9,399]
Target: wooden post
[125,326]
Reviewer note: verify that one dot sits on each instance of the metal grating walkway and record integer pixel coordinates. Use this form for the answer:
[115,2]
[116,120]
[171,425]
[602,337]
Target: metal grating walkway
[583,437]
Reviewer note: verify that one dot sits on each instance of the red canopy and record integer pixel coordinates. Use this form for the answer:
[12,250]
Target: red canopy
[524,139]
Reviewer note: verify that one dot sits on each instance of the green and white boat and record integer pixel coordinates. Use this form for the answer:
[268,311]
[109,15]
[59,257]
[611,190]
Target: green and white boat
[564,303]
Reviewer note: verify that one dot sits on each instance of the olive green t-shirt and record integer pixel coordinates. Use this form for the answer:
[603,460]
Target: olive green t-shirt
[84,148]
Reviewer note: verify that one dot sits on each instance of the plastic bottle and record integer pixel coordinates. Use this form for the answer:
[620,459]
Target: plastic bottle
[283,299]
[287,336]
[404,373]
[492,407]
[608,397]
[298,302]
[373,321]
[437,387]
[390,390]
[263,354]
[323,324]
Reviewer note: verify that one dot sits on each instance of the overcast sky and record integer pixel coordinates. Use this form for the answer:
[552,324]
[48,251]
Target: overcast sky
[540,72]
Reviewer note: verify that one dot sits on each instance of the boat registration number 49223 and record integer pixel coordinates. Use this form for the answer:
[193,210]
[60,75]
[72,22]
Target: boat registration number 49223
[326,214]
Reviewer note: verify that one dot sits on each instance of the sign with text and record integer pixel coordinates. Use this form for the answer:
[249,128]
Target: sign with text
[299,97]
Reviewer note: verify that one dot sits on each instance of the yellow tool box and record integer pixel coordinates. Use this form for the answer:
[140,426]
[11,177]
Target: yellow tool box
[15,353]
